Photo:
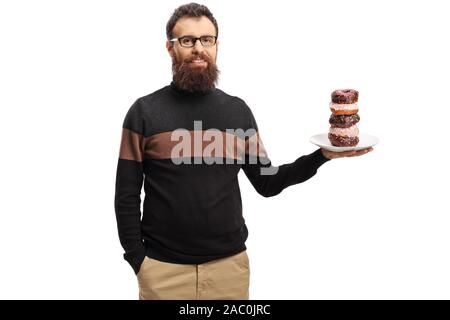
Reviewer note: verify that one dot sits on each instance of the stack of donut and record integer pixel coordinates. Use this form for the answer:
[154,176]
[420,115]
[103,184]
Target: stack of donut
[344,107]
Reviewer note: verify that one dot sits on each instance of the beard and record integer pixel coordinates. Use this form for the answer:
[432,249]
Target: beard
[193,78]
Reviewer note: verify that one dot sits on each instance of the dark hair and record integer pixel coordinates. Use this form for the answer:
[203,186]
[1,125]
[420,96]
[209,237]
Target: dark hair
[189,10]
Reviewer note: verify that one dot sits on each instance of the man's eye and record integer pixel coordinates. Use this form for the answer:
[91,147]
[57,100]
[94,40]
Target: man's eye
[186,41]
[207,39]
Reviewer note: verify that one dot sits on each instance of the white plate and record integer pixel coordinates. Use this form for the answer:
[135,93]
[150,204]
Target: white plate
[365,141]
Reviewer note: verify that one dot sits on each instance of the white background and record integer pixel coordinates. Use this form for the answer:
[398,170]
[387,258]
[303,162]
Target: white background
[370,227]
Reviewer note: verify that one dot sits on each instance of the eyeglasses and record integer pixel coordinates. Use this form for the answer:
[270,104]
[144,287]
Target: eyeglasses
[189,41]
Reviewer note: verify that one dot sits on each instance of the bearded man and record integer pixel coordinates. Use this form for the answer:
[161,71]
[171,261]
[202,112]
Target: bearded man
[189,242]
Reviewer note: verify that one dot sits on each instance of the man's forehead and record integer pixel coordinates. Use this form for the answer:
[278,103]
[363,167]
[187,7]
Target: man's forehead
[194,26]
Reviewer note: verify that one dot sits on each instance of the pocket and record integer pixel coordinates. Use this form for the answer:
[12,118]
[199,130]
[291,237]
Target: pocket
[143,265]
[242,259]
[246,259]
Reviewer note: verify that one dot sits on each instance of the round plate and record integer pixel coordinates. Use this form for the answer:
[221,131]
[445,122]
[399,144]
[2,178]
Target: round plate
[365,141]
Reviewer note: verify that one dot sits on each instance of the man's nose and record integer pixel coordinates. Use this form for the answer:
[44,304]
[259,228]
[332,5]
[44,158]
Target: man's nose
[198,47]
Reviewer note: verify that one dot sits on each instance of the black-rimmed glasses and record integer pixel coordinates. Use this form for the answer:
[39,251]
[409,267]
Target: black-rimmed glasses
[189,41]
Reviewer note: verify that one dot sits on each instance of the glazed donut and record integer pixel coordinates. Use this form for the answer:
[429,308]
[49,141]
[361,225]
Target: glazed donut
[344,121]
[346,96]
[340,109]
[342,141]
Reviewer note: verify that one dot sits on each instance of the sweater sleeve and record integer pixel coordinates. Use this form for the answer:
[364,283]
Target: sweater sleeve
[129,179]
[269,180]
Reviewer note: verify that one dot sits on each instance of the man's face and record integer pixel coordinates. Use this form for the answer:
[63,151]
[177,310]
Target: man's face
[194,69]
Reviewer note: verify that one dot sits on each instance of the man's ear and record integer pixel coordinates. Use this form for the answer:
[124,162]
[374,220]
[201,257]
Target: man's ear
[169,47]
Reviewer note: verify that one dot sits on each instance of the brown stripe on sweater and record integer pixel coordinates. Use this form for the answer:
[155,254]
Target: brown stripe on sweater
[131,145]
[201,143]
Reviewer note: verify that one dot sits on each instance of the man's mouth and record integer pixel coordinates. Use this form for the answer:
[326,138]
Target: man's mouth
[199,62]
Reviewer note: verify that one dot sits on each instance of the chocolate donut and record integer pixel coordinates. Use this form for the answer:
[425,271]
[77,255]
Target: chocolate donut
[342,141]
[343,121]
[346,96]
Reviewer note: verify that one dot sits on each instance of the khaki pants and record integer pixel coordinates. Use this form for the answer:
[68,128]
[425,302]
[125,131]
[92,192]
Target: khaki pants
[221,279]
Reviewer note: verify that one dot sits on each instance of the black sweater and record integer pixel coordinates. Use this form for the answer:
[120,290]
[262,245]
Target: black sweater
[192,212]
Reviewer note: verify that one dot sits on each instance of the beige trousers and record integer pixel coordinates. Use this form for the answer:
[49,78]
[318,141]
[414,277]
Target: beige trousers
[221,279]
